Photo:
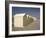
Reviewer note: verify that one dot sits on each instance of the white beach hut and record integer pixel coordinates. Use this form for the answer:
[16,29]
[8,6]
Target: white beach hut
[20,20]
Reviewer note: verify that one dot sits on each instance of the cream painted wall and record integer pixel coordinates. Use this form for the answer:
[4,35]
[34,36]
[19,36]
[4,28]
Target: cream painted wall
[18,21]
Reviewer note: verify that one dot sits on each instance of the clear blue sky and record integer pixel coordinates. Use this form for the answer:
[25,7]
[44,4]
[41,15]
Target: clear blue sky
[31,11]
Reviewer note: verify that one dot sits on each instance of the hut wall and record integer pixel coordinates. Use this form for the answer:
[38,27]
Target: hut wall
[18,21]
[25,20]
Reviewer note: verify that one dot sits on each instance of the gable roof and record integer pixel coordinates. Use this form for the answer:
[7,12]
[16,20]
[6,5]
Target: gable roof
[20,14]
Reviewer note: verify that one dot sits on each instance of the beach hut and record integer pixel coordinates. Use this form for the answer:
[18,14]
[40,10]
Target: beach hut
[20,20]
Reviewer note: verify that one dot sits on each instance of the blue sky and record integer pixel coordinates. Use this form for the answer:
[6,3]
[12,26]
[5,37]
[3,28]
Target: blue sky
[31,11]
